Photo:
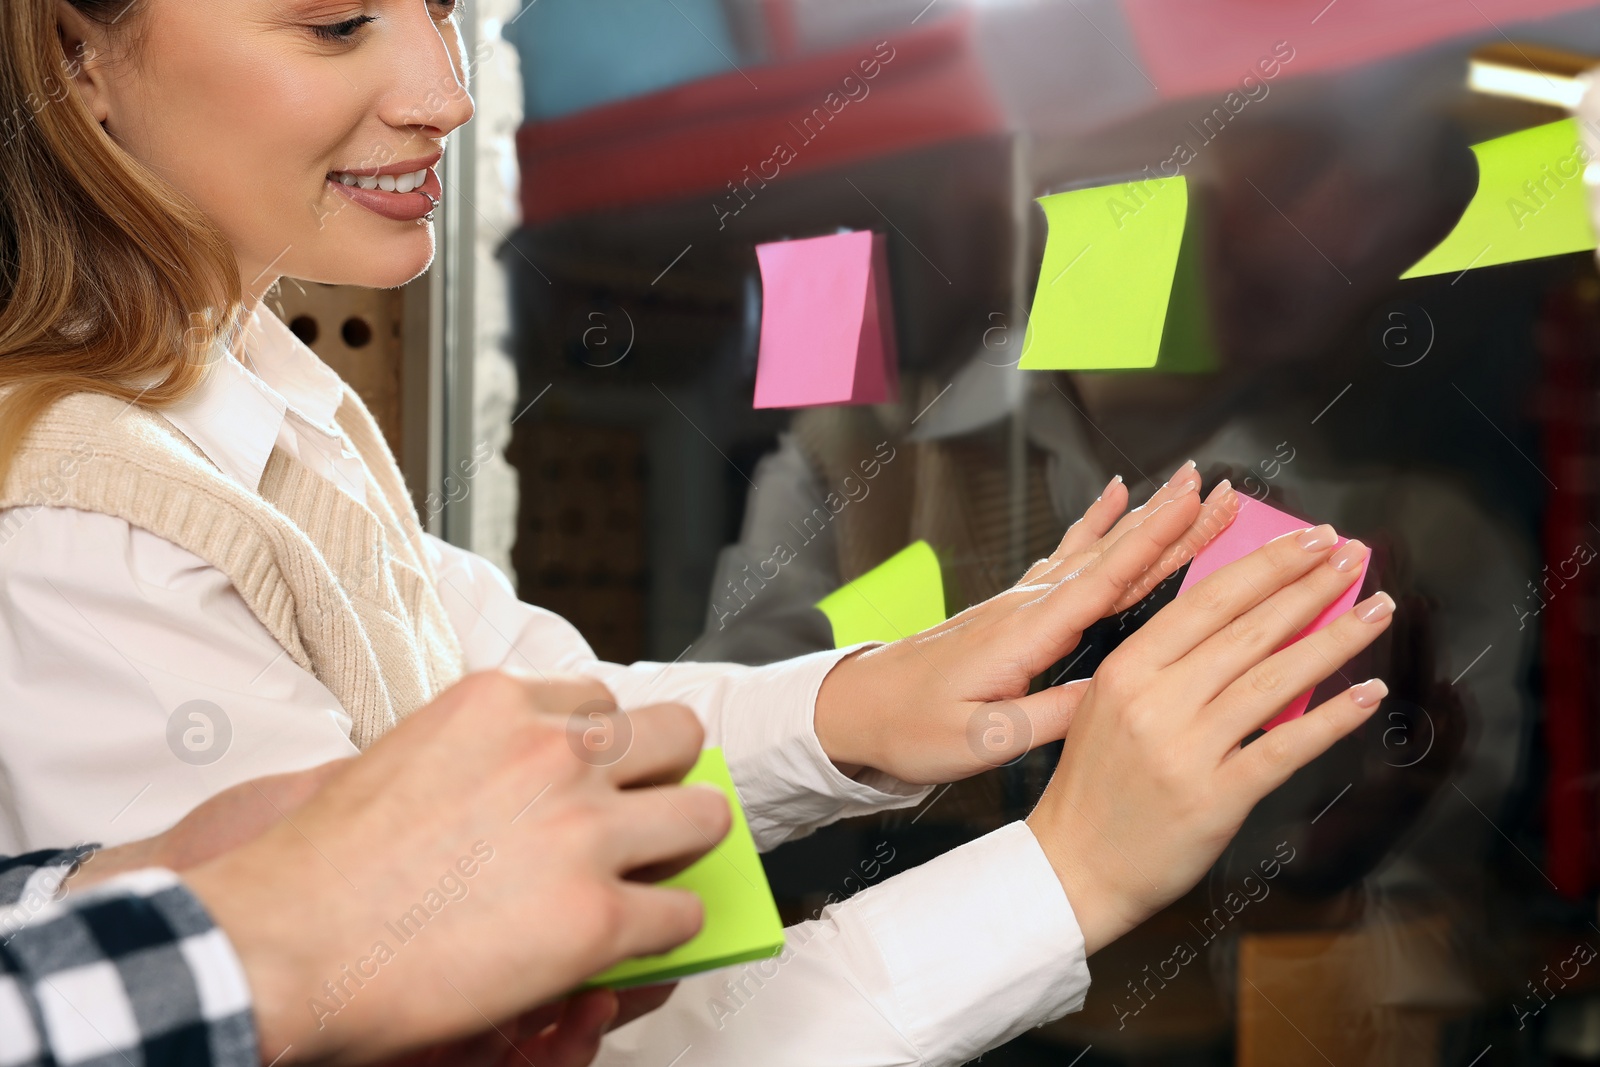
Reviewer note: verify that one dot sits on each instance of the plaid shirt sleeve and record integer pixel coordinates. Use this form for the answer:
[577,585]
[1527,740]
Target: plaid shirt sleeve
[38,875]
[128,973]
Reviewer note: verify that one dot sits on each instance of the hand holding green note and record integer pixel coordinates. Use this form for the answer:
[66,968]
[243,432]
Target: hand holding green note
[742,922]
[901,596]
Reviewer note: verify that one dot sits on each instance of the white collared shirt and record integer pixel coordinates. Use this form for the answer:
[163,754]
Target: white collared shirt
[135,683]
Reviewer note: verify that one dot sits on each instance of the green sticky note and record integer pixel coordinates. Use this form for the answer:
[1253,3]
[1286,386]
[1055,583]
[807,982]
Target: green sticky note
[1120,287]
[741,923]
[901,596]
[1530,203]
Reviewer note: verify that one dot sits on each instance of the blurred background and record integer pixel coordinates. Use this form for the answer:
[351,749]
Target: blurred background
[1433,886]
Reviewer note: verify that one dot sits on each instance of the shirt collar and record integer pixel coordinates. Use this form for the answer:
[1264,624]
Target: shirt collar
[310,388]
[236,414]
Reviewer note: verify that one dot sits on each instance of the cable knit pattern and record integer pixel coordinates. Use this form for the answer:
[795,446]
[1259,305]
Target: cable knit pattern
[345,588]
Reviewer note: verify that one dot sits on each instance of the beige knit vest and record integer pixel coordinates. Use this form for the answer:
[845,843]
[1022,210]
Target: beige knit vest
[345,588]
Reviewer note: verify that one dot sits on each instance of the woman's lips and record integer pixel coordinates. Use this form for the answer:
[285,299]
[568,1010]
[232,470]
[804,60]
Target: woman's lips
[401,207]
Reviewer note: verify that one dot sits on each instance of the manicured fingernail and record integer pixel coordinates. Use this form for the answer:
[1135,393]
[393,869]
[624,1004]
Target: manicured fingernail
[1317,538]
[1368,693]
[1375,608]
[1349,556]
[1115,478]
[1219,492]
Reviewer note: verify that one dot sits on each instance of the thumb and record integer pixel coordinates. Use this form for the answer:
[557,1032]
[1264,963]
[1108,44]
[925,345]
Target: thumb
[1051,710]
[1002,731]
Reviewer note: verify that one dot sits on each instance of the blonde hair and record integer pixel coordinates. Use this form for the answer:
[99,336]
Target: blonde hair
[111,281]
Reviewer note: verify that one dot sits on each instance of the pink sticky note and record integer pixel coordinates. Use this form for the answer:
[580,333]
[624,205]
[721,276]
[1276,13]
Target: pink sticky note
[827,331]
[1254,526]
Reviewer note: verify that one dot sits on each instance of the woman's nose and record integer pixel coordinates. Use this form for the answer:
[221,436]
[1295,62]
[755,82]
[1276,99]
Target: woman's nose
[442,106]
[435,94]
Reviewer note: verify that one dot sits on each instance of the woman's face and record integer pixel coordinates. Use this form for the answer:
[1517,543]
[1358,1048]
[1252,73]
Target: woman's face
[271,114]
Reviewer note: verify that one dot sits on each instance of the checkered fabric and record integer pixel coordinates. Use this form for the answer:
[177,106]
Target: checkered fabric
[37,875]
[128,973]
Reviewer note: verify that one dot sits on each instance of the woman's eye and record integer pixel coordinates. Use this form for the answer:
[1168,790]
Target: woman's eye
[448,7]
[342,31]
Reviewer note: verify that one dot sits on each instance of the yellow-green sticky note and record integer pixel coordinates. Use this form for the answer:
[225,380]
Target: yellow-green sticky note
[1530,203]
[901,596]
[741,919]
[1119,288]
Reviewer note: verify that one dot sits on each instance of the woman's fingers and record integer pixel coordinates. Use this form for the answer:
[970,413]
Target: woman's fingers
[1216,514]
[1078,600]
[1250,638]
[1186,479]
[1261,693]
[1180,489]
[1089,528]
[1263,766]
[1218,599]
[1100,526]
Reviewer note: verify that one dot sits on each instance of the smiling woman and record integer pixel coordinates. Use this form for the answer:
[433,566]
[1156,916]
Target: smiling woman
[180,172]
[222,162]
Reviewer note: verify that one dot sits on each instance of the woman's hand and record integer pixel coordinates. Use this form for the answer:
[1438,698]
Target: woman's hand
[953,700]
[1153,782]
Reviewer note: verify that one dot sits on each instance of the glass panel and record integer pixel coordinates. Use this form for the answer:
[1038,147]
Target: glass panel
[1425,892]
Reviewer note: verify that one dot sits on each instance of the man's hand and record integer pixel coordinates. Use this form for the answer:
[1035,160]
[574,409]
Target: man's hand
[469,866]
[953,700]
[1154,780]
[565,1033]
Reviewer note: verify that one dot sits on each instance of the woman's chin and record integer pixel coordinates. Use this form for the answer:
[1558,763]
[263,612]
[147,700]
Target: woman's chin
[382,264]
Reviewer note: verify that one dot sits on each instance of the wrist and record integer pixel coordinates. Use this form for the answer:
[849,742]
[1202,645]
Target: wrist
[105,863]
[271,947]
[842,718]
[1095,902]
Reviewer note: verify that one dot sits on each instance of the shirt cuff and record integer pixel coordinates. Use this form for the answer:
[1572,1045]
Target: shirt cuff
[37,876]
[787,783]
[980,945]
[128,965]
